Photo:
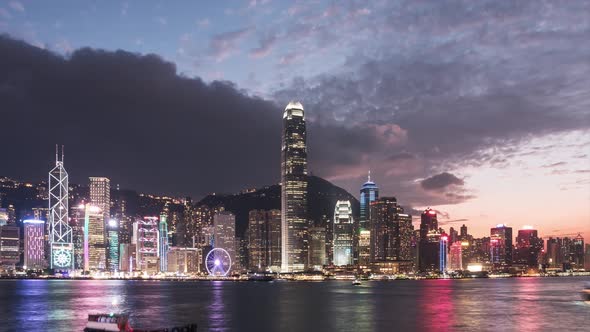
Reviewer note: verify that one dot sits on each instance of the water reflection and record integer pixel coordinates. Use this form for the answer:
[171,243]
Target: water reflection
[436,306]
[528,317]
[217,310]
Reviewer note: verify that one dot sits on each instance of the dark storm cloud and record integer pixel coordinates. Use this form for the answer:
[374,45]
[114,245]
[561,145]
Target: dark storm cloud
[468,85]
[441,181]
[133,119]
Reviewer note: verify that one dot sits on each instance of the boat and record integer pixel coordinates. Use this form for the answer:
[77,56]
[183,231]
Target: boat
[586,294]
[261,277]
[356,282]
[120,323]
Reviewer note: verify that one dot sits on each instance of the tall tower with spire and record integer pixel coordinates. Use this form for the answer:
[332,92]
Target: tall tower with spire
[60,232]
[369,193]
[294,219]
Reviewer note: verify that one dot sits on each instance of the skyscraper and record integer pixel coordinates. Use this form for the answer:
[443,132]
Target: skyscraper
[528,247]
[264,238]
[112,246]
[294,220]
[343,233]
[456,257]
[61,245]
[577,252]
[163,243]
[391,231]
[94,242]
[429,245]
[317,247]
[145,232]
[501,244]
[369,193]
[9,245]
[100,195]
[34,256]
[224,236]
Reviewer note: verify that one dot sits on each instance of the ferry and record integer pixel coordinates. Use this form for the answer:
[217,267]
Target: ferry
[120,323]
[356,282]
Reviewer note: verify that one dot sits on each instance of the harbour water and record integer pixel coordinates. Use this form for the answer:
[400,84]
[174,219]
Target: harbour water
[511,304]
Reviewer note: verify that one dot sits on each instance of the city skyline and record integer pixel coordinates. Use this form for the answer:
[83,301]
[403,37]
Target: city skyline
[450,114]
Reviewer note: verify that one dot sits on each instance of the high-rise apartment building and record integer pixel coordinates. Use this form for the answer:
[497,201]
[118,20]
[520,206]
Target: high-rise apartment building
[294,219]
[34,255]
[343,224]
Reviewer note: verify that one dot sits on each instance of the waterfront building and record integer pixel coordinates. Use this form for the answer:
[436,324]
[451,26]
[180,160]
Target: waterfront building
[501,245]
[317,248]
[100,196]
[528,247]
[9,246]
[163,248]
[456,256]
[391,231]
[343,233]
[127,257]
[77,222]
[264,239]
[145,233]
[184,260]
[429,251]
[61,246]
[224,235]
[34,244]
[94,241]
[294,219]
[577,252]
[364,245]
[587,257]
[112,246]
[443,243]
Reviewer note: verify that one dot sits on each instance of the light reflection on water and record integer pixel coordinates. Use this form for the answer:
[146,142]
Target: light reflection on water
[534,304]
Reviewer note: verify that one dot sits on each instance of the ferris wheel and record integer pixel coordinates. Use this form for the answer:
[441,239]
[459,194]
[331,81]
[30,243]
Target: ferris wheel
[218,262]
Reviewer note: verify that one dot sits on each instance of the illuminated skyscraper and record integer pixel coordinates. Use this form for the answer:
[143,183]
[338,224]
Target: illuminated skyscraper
[264,239]
[343,233]
[77,222]
[429,245]
[112,249]
[224,236]
[34,244]
[94,242]
[145,233]
[163,243]
[456,256]
[294,222]
[528,247]
[9,245]
[391,231]
[501,244]
[60,233]
[369,193]
[317,247]
[100,196]
[577,252]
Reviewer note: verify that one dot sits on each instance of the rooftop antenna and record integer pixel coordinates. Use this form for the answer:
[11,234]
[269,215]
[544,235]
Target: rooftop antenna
[369,178]
[56,160]
[62,153]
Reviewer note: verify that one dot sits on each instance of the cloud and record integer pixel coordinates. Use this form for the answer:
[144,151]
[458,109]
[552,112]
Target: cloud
[203,23]
[223,45]
[4,14]
[161,20]
[124,8]
[17,6]
[441,181]
[561,163]
[132,118]
[265,48]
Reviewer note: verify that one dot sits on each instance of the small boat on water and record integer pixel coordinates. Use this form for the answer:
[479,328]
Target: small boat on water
[120,323]
[356,282]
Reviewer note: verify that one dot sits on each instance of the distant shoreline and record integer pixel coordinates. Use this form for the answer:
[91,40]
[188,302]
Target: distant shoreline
[191,279]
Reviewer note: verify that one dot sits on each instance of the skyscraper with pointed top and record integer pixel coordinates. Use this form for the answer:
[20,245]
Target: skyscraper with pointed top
[60,233]
[294,220]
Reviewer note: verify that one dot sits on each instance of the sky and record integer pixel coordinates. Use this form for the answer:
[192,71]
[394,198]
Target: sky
[479,109]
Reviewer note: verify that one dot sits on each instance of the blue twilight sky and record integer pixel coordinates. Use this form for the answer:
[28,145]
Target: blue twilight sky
[465,105]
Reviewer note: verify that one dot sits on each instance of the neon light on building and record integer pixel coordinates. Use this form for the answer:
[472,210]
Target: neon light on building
[163,243]
[60,233]
[34,255]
